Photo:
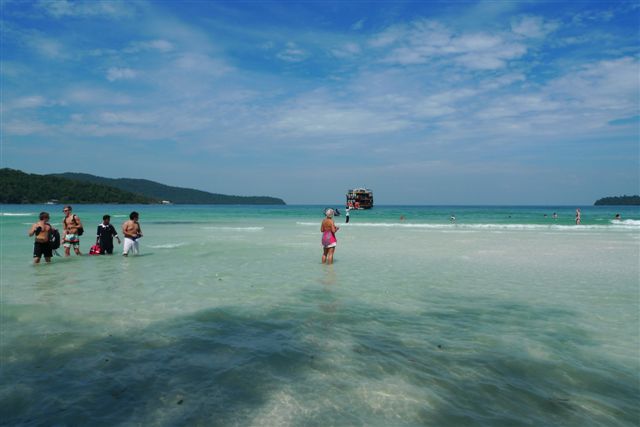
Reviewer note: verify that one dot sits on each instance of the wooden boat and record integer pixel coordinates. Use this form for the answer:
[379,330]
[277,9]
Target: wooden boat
[359,198]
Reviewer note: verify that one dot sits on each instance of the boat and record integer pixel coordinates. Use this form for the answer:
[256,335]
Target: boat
[359,198]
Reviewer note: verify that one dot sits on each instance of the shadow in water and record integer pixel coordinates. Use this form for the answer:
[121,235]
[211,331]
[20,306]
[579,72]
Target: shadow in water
[210,368]
[460,365]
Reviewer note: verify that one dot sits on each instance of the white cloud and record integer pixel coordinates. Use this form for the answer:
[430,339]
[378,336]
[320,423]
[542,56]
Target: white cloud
[79,8]
[610,84]
[315,114]
[33,101]
[533,26]
[115,73]
[158,45]
[201,64]
[292,53]
[346,50]
[25,127]
[358,25]
[93,96]
[426,41]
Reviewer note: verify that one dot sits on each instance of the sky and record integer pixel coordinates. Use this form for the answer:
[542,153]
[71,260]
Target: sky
[456,102]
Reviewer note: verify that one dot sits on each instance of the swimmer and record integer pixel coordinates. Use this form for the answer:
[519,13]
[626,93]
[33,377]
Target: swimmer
[578,219]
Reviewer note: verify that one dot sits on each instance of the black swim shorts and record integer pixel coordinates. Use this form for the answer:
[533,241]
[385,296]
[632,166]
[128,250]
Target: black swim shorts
[40,249]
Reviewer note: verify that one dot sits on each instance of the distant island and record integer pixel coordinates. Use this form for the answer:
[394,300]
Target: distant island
[19,187]
[618,201]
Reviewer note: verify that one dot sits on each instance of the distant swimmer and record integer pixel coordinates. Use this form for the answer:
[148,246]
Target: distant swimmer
[578,219]
[132,233]
[555,215]
[41,245]
[618,217]
[347,214]
[329,241]
[402,218]
[453,218]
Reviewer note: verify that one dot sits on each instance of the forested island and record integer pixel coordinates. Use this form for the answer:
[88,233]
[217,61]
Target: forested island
[17,187]
[618,201]
[73,188]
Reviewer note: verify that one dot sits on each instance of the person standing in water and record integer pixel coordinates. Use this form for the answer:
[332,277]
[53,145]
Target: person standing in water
[578,219]
[41,246]
[72,231]
[329,241]
[347,215]
[105,234]
[132,233]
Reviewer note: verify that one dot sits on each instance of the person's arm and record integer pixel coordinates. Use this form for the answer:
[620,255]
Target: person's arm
[139,229]
[34,229]
[114,233]
[334,227]
[78,222]
[98,235]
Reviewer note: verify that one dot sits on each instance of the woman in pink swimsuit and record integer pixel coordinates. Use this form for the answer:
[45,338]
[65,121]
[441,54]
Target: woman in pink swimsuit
[329,241]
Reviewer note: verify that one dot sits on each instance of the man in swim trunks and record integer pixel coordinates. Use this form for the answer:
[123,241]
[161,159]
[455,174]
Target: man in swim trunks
[41,245]
[71,224]
[132,233]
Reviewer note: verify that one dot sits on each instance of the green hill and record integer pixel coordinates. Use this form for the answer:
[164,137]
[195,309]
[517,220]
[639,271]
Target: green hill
[19,187]
[618,201]
[176,195]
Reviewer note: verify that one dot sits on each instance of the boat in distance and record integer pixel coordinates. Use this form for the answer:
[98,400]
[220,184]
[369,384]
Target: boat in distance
[359,198]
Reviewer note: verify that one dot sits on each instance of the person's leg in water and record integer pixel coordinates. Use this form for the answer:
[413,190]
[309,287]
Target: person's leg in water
[325,251]
[330,255]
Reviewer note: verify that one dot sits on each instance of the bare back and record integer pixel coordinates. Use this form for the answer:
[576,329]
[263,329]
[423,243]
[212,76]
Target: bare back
[328,225]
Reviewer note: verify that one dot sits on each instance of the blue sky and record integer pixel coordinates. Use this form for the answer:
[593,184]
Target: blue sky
[426,103]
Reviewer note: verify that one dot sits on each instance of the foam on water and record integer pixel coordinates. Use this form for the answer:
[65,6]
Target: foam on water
[168,245]
[16,214]
[625,225]
[234,228]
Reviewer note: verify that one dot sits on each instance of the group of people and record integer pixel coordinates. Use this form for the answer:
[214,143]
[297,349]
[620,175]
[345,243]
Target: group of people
[46,235]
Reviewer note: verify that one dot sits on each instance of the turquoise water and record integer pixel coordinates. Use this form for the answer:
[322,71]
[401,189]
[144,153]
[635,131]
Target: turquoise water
[505,318]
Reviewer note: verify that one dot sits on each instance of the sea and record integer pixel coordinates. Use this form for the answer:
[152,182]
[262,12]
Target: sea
[505,317]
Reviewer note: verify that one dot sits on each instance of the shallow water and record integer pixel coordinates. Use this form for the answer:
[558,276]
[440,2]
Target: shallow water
[228,318]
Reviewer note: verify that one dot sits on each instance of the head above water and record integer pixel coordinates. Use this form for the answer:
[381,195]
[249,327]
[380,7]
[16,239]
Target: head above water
[106,218]
[44,216]
[133,215]
[329,213]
